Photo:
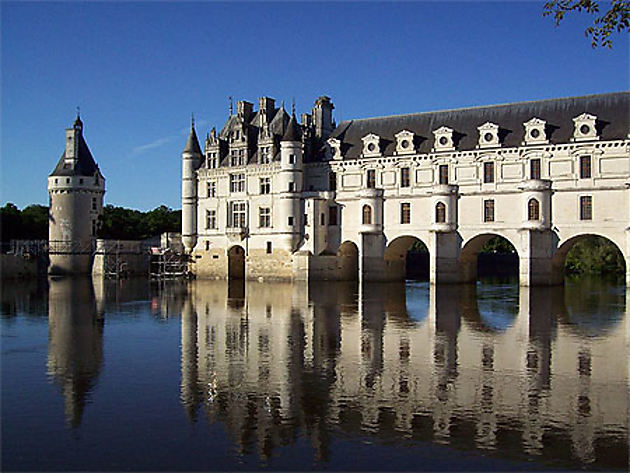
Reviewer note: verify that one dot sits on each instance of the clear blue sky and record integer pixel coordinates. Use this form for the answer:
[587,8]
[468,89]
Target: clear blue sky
[138,70]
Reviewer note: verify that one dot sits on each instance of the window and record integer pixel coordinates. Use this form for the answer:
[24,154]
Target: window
[404,177]
[207,245]
[443,171]
[533,210]
[265,185]
[586,207]
[305,220]
[211,219]
[290,221]
[322,219]
[265,154]
[93,203]
[405,212]
[237,215]
[81,181]
[269,251]
[291,159]
[488,172]
[488,210]
[585,167]
[291,186]
[332,181]
[367,215]
[237,157]
[534,168]
[264,217]
[237,182]
[212,189]
[371,179]
[440,212]
[212,160]
[332,215]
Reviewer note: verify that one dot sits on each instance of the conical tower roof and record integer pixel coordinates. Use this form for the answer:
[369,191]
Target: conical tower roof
[293,132]
[192,145]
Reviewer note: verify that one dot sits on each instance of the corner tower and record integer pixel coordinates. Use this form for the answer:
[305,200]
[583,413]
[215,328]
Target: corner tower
[191,160]
[75,189]
[290,180]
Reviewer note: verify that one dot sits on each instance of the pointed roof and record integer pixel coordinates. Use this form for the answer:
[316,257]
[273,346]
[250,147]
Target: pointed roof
[192,145]
[293,132]
[85,164]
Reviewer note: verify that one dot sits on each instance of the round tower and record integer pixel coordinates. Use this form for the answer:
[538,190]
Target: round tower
[191,159]
[290,180]
[75,188]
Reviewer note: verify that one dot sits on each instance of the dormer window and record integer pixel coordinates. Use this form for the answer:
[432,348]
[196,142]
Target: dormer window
[584,127]
[488,135]
[371,145]
[443,139]
[535,131]
[404,142]
[334,148]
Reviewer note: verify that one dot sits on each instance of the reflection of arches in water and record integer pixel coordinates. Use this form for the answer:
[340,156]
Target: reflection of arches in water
[236,293]
[592,307]
[560,256]
[417,294]
[490,308]
[236,262]
[407,257]
[348,261]
[493,263]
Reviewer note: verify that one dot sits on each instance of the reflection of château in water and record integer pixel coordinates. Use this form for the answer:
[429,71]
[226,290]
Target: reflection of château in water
[75,353]
[449,368]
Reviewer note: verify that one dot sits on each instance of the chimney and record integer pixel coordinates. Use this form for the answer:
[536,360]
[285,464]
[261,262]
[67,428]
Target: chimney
[322,117]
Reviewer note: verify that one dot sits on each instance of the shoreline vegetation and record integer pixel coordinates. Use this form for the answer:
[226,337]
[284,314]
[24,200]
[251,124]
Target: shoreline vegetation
[591,255]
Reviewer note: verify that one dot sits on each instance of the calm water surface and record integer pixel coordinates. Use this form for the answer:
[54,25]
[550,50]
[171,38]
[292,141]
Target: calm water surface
[331,376]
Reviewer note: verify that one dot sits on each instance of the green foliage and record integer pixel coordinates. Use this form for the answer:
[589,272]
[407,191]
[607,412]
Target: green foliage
[498,245]
[418,247]
[615,18]
[119,223]
[28,224]
[594,255]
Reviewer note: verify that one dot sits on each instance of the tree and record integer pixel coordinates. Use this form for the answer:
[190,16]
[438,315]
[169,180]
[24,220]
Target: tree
[616,18]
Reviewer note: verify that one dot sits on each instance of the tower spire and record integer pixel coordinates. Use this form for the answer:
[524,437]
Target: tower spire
[192,121]
[231,106]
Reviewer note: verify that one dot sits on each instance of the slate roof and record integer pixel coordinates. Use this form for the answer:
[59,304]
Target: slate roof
[293,132]
[192,145]
[85,165]
[612,111]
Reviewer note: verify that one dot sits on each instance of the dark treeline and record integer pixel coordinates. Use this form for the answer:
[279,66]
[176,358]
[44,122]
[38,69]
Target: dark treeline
[31,223]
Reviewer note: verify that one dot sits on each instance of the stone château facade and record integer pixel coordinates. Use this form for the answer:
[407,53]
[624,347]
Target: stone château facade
[273,198]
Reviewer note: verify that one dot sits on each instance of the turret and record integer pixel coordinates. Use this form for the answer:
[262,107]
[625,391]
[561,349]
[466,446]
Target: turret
[191,160]
[290,180]
[75,188]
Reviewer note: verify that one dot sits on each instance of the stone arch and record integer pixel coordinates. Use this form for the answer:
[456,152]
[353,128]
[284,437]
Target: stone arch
[560,255]
[348,261]
[396,258]
[468,256]
[236,262]
[440,212]
[533,209]
[366,213]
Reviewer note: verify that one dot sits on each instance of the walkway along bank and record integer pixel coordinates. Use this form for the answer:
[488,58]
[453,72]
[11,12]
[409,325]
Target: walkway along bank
[273,198]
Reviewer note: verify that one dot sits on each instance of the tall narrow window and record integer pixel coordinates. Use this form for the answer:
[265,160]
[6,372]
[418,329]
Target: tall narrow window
[533,210]
[488,172]
[488,210]
[443,173]
[404,177]
[291,159]
[265,185]
[332,181]
[322,219]
[534,168]
[212,189]
[405,212]
[211,219]
[291,186]
[268,247]
[440,212]
[264,217]
[237,215]
[367,215]
[585,167]
[586,207]
[332,215]
[93,203]
[371,179]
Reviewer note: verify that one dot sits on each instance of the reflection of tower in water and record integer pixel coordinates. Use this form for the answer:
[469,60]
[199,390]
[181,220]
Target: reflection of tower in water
[75,353]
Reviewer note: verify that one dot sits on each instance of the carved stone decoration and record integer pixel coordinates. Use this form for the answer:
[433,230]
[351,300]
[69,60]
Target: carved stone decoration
[535,131]
[404,142]
[488,135]
[333,150]
[371,145]
[584,127]
[443,139]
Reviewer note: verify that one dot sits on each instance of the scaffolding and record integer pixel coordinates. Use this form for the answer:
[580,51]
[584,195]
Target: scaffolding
[168,264]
